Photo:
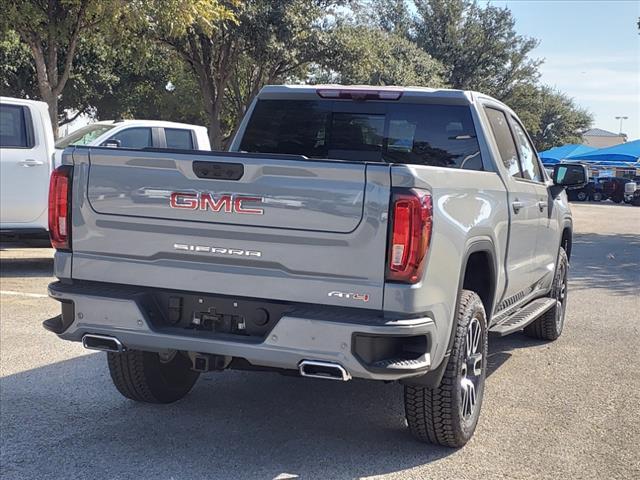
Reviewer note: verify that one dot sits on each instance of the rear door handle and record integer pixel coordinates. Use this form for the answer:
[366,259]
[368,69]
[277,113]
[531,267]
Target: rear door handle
[31,163]
[517,206]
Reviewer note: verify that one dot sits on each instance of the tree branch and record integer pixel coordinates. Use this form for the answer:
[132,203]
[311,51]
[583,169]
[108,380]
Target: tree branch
[67,119]
[71,50]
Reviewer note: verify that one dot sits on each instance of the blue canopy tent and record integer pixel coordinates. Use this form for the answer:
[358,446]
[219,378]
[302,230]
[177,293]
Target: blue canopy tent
[556,154]
[625,152]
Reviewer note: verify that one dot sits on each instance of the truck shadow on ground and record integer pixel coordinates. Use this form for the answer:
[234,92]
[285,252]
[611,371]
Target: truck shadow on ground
[500,348]
[67,421]
[609,262]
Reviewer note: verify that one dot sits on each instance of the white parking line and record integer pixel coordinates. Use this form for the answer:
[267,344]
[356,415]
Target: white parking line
[23,294]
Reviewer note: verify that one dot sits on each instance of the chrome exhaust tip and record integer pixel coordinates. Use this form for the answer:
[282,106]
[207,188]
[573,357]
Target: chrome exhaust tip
[324,370]
[103,343]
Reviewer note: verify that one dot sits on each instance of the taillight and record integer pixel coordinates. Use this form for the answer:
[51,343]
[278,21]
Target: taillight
[358,94]
[411,222]
[60,207]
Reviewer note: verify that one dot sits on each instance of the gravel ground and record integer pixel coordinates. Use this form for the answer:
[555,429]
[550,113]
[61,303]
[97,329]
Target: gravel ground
[567,409]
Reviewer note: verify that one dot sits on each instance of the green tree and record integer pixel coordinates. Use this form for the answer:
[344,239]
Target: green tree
[149,81]
[478,46]
[365,55]
[552,118]
[392,16]
[265,41]
[54,31]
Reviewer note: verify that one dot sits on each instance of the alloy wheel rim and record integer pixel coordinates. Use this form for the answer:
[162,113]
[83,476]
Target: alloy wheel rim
[471,369]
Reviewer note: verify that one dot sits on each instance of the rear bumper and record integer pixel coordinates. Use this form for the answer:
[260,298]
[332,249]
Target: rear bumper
[300,334]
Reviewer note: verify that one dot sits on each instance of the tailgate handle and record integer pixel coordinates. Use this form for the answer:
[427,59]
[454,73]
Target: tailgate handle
[218,170]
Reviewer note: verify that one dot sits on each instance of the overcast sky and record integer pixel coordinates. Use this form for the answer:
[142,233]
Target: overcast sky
[591,51]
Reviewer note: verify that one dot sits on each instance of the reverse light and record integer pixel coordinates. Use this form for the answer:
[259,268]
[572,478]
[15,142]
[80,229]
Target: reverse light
[60,207]
[410,235]
[356,94]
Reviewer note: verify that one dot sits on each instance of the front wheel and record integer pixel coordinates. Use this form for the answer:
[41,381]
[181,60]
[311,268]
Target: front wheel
[448,414]
[143,377]
[582,196]
[549,326]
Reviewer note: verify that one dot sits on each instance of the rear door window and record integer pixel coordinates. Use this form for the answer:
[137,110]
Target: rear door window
[14,127]
[504,140]
[138,137]
[528,158]
[419,134]
[179,138]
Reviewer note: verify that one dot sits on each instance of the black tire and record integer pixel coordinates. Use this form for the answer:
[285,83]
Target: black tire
[582,196]
[549,326]
[617,199]
[435,415]
[142,377]
[597,197]
[636,201]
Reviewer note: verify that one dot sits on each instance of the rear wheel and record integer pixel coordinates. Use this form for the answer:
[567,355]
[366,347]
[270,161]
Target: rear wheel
[597,197]
[549,326]
[141,376]
[448,414]
[582,196]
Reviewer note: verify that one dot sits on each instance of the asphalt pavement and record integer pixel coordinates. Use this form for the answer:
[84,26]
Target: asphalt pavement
[569,409]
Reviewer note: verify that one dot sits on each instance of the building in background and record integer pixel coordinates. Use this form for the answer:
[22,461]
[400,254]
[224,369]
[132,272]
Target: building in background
[599,138]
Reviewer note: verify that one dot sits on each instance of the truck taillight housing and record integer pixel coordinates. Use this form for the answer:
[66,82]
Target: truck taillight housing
[60,207]
[410,235]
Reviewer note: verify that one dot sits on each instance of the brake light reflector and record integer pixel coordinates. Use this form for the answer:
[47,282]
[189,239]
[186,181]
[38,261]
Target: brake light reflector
[356,94]
[412,218]
[60,208]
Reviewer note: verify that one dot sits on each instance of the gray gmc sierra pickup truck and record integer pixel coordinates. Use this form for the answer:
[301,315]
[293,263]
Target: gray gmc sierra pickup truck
[378,233]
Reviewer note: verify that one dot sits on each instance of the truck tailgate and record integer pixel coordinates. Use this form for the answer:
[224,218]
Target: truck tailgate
[236,224]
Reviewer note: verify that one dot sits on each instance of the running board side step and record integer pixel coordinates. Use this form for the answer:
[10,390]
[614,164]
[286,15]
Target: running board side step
[522,317]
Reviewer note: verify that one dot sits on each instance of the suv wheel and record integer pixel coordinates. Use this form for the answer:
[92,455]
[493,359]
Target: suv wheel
[582,196]
[448,414]
[141,376]
[549,326]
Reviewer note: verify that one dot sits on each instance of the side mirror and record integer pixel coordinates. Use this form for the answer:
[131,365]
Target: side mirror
[570,175]
[566,175]
[112,143]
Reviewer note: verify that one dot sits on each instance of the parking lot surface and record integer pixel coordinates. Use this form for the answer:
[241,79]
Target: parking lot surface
[567,409]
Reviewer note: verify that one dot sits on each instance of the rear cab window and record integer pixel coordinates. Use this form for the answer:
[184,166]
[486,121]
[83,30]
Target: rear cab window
[417,134]
[179,138]
[16,129]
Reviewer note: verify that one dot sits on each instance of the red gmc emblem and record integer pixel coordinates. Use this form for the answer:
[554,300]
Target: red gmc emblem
[226,203]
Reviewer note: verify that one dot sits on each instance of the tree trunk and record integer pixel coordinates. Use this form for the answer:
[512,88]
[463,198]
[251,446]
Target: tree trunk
[52,101]
[215,130]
